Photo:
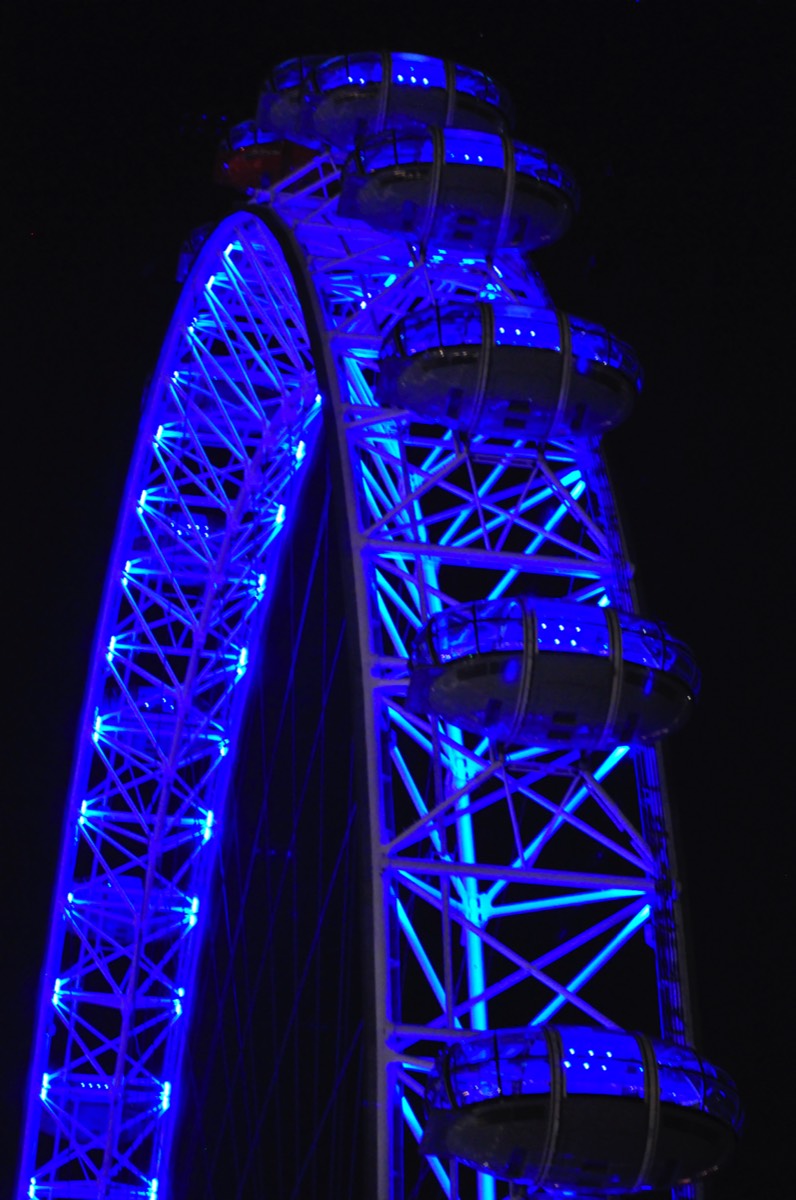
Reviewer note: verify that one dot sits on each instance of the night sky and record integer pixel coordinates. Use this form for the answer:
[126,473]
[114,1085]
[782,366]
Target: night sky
[671,117]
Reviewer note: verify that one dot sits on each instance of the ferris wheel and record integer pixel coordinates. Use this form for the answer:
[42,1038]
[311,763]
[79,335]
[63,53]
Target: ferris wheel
[367,333]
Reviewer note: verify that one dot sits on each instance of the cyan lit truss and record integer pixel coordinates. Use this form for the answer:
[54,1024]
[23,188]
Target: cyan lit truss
[511,886]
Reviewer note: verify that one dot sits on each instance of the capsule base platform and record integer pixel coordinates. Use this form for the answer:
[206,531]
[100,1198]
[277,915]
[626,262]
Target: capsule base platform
[599,1149]
[522,394]
[572,700]
[467,210]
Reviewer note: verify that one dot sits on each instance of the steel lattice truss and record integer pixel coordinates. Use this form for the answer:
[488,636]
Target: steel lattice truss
[511,884]
[230,418]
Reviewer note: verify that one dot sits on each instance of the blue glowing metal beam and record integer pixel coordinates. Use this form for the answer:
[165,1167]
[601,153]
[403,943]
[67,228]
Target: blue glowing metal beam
[536,544]
[532,849]
[577,982]
[417,1132]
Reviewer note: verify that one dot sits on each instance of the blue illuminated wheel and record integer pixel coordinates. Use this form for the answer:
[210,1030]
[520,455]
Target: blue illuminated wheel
[515,824]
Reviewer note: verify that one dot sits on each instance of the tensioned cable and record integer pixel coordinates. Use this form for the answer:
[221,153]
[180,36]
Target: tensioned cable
[239,928]
[319,729]
[234,941]
[266,958]
[299,989]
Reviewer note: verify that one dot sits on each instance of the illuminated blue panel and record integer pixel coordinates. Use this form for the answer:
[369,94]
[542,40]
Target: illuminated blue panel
[478,149]
[405,70]
[601,1062]
[515,326]
[561,627]
[572,630]
[410,70]
[593,1061]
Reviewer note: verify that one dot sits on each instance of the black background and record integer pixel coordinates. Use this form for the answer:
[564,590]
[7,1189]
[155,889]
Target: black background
[672,119]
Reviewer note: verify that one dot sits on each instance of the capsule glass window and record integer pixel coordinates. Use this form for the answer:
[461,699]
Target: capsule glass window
[419,333]
[524,1068]
[461,326]
[516,325]
[680,1076]
[473,1071]
[242,135]
[530,161]
[591,343]
[416,70]
[721,1096]
[453,635]
[581,632]
[287,75]
[642,642]
[357,69]
[440,326]
[650,645]
[602,1062]
[476,83]
[464,146]
[387,150]
[680,661]
[509,1066]
[499,626]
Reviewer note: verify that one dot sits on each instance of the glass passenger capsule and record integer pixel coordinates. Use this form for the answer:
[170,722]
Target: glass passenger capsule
[287,97]
[507,369]
[581,1111]
[552,672]
[458,188]
[360,95]
[250,159]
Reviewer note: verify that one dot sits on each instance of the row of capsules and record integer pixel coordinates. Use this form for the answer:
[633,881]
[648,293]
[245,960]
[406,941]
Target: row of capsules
[427,155]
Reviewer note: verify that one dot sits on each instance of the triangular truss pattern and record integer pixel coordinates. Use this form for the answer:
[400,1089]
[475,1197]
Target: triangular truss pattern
[231,417]
[517,884]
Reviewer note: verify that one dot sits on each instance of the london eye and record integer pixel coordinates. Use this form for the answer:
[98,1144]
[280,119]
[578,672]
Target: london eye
[365,359]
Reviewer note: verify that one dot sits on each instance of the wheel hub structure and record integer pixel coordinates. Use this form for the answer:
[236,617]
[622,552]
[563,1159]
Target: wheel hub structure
[513,882]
